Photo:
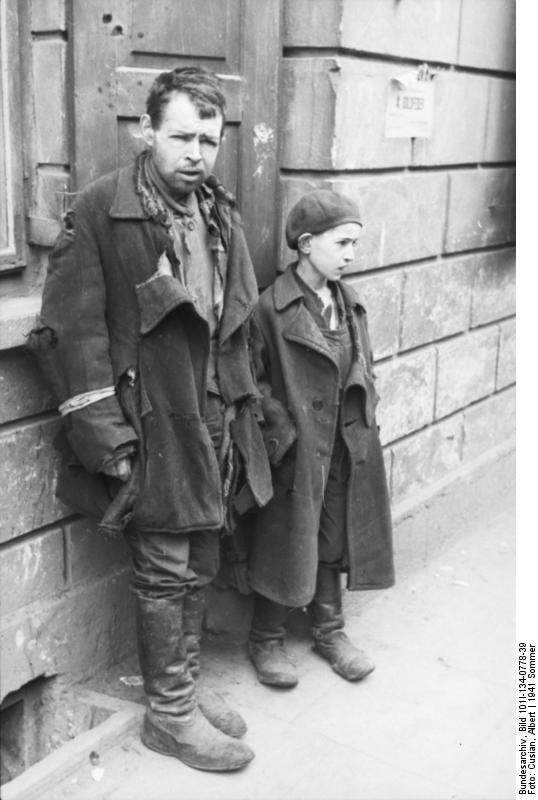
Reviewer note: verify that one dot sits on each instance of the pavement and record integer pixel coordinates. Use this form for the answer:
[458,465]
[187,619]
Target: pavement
[435,720]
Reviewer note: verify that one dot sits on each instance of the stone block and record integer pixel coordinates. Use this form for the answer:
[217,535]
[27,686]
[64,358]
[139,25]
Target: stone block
[28,474]
[91,555]
[494,287]
[403,215]
[459,121]
[466,370]
[308,94]
[410,28]
[406,386]
[31,570]
[506,364]
[380,295]
[501,121]
[335,115]
[47,15]
[50,101]
[488,423]
[436,301]
[23,391]
[307,24]
[81,633]
[481,209]
[488,34]
[426,456]
[17,317]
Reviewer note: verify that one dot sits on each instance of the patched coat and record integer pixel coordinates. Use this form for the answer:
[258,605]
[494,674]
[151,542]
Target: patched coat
[109,319]
[296,368]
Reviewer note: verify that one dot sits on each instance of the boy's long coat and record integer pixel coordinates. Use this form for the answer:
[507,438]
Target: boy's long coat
[295,366]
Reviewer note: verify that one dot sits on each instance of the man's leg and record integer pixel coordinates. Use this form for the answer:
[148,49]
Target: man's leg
[330,641]
[173,724]
[204,561]
[266,644]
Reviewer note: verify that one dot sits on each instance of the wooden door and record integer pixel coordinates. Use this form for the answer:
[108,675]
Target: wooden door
[118,49]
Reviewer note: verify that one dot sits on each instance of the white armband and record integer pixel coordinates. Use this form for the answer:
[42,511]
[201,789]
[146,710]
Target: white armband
[85,399]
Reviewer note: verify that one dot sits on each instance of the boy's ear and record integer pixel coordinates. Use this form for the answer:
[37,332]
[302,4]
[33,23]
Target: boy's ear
[304,243]
[146,129]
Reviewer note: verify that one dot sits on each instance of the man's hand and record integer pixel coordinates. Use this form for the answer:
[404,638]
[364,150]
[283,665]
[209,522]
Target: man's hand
[121,469]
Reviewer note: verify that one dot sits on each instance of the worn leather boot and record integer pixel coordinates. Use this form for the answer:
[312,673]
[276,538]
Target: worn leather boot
[212,705]
[173,724]
[330,641]
[266,644]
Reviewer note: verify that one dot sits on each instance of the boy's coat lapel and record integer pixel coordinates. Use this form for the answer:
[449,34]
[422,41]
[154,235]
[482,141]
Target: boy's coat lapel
[298,323]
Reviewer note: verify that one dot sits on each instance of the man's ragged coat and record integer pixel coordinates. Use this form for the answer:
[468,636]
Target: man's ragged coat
[109,318]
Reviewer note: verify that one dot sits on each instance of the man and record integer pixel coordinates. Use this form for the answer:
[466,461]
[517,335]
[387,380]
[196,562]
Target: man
[144,334]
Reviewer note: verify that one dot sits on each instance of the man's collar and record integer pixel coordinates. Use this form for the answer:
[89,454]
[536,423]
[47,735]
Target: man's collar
[127,203]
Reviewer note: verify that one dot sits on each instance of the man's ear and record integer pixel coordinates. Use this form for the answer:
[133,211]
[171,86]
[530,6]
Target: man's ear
[304,243]
[146,129]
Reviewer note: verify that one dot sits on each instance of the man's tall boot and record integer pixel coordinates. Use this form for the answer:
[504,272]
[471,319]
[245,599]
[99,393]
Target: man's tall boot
[266,644]
[173,724]
[330,641]
[212,706]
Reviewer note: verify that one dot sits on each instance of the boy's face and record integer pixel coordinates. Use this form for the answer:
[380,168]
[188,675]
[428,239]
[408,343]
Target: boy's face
[330,252]
[184,146]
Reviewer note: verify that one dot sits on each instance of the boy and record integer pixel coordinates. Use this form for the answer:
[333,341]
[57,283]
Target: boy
[330,511]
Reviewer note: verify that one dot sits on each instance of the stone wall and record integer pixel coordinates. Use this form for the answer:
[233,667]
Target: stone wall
[436,259]
[64,599]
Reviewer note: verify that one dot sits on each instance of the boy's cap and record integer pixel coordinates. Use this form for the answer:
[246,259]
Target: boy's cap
[319,211]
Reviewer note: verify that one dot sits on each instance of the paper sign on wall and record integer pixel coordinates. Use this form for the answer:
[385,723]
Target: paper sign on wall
[410,105]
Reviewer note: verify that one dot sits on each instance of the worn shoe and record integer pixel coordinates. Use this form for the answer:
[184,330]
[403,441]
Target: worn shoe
[194,741]
[346,659]
[272,663]
[219,713]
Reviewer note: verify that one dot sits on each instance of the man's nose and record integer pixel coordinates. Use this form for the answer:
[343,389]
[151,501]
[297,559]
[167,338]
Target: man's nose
[194,153]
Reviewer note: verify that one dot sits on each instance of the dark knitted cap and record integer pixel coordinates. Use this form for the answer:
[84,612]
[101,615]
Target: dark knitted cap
[317,212]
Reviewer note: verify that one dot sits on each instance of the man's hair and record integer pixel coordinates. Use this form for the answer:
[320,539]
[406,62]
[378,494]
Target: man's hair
[203,87]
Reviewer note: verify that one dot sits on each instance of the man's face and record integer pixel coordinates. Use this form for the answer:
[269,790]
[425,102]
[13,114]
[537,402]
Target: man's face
[184,146]
[329,253]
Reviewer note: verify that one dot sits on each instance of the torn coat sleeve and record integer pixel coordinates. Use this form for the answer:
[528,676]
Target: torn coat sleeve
[74,315]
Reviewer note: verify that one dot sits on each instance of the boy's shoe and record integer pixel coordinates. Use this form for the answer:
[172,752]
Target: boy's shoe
[272,663]
[194,741]
[346,659]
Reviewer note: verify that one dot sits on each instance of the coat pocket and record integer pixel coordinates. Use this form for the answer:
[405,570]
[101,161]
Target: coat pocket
[182,486]
[157,297]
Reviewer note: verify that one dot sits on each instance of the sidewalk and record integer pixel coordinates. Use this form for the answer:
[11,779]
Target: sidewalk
[436,720]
